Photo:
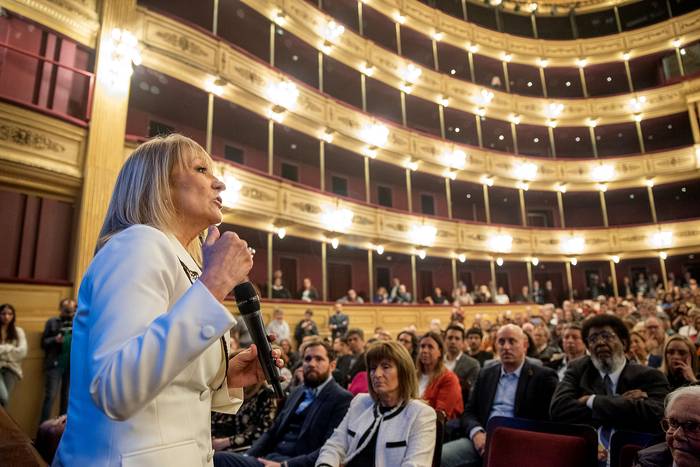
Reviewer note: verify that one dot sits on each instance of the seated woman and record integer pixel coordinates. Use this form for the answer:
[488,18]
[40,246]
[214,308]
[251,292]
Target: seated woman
[388,426]
[438,386]
[680,363]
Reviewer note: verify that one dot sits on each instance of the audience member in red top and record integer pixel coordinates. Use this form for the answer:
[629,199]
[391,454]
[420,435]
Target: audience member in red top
[437,385]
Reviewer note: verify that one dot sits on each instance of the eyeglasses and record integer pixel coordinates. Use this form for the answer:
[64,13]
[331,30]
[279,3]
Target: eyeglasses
[690,428]
[604,335]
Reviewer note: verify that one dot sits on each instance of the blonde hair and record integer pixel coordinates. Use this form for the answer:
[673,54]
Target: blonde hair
[691,350]
[142,192]
[399,356]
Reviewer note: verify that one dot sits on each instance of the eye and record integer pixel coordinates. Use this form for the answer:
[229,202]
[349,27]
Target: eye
[201,169]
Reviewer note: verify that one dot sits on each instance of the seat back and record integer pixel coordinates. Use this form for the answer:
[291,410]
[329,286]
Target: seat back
[625,444]
[547,444]
[439,436]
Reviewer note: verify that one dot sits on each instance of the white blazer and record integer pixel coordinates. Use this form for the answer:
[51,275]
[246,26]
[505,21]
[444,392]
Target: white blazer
[406,435]
[146,359]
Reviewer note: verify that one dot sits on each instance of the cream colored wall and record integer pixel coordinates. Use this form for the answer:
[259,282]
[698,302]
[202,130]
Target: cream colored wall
[37,303]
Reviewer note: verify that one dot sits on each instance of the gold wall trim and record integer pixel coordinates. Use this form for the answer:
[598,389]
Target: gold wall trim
[307,22]
[40,153]
[76,19]
[314,113]
[459,33]
[266,202]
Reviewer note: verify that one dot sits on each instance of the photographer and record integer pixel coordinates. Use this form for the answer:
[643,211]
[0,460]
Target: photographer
[56,344]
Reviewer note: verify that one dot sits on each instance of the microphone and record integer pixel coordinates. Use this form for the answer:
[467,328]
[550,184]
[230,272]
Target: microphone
[248,303]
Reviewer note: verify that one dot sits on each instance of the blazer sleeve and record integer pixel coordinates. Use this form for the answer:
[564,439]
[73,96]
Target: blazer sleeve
[642,414]
[470,417]
[421,441]
[565,406]
[136,344]
[545,391]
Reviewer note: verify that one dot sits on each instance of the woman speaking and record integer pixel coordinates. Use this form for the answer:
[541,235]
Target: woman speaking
[148,360]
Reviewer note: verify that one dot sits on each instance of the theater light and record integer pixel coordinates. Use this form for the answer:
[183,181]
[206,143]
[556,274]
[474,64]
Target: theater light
[327,135]
[411,73]
[663,239]
[334,243]
[456,159]
[499,261]
[554,109]
[379,249]
[603,173]
[423,235]
[591,122]
[332,31]
[444,101]
[401,19]
[412,165]
[486,180]
[231,194]
[637,118]
[602,187]
[542,62]
[615,259]
[481,112]
[636,104]
[626,56]
[421,254]
[367,69]
[676,43]
[485,97]
[649,182]
[507,57]
[581,62]
[515,119]
[561,188]
[462,257]
[337,220]
[520,185]
[473,48]
[525,170]
[438,36]
[501,243]
[281,233]
[573,261]
[532,7]
[283,93]
[451,174]
[122,53]
[535,261]
[574,245]
[375,134]
[663,255]
[214,86]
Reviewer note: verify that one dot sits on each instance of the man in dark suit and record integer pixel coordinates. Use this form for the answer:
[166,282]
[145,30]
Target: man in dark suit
[306,421]
[606,391]
[465,367]
[474,338]
[512,388]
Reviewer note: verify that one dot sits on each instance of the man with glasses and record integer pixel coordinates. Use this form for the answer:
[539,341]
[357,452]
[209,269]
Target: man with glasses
[604,390]
[682,427]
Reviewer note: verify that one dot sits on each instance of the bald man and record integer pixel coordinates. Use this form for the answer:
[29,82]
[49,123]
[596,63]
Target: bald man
[512,388]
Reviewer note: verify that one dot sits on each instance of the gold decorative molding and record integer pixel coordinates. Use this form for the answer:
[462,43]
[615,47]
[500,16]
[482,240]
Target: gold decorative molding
[38,152]
[302,216]
[315,112]
[308,23]
[76,19]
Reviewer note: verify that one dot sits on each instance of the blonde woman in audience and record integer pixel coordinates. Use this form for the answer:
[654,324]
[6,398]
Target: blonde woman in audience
[13,349]
[436,384]
[680,363]
[389,426]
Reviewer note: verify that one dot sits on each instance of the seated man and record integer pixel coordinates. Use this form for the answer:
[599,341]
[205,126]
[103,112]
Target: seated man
[574,347]
[682,446]
[512,388]
[604,390]
[305,422]
[465,367]
[475,337]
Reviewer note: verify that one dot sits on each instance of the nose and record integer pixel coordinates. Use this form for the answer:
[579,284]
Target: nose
[218,185]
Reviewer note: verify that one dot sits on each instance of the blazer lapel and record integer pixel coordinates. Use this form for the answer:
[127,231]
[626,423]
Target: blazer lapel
[293,402]
[315,407]
[520,392]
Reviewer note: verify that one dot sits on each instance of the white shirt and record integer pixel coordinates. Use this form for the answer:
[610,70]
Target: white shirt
[423,383]
[450,364]
[279,329]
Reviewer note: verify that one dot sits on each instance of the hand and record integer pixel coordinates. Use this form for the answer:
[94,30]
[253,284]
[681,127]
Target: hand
[227,262]
[268,463]
[635,394]
[219,444]
[479,441]
[59,339]
[245,370]
[686,372]
[583,399]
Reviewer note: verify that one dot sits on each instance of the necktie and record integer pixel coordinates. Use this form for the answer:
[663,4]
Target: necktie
[309,397]
[606,431]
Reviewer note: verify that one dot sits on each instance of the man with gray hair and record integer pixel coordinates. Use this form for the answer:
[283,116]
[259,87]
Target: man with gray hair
[681,423]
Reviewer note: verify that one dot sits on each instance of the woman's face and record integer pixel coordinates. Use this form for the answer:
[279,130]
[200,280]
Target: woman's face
[677,353]
[285,345]
[196,192]
[637,345]
[384,377]
[6,315]
[429,352]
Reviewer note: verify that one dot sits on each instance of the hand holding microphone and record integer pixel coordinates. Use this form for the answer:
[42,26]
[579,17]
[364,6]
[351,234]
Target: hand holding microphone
[227,262]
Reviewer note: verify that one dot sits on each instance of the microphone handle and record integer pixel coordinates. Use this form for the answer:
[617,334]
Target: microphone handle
[254,323]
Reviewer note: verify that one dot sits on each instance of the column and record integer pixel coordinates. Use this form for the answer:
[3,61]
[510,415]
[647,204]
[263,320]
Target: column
[640,137]
[448,197]
[662,263]
[363,90]
[569,280]
[652,204]
[270,147]
[613,274]
[603,208]
[487,207]
[523,211]
[270,238]
[404,121]
[560,205]
[367,186]
[320,71]
[104,153]
[529,274]
[210,121]
[322,163]
[492,264]
[409,194]
[272,44]
[414,281]
[693,117]
[370,274]
[324,271]
[453,263]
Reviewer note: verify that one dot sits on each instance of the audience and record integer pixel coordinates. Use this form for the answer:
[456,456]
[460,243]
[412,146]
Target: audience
[351,297]
[681,424]
[604,390]
[305,327]
[410,341]
[574,348]
[381,296]
[680,363]
[338,322]
[501,298]
[351,365]
[13,349]
[512,388]
[279,290]
[436,298]
[308,292]
[543,349]
[55,341]
[656,337]
[436,384]
[305,422]
[465,367]
[474,346]
[278,326]
[638,352]
[391,411]
[401,296]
